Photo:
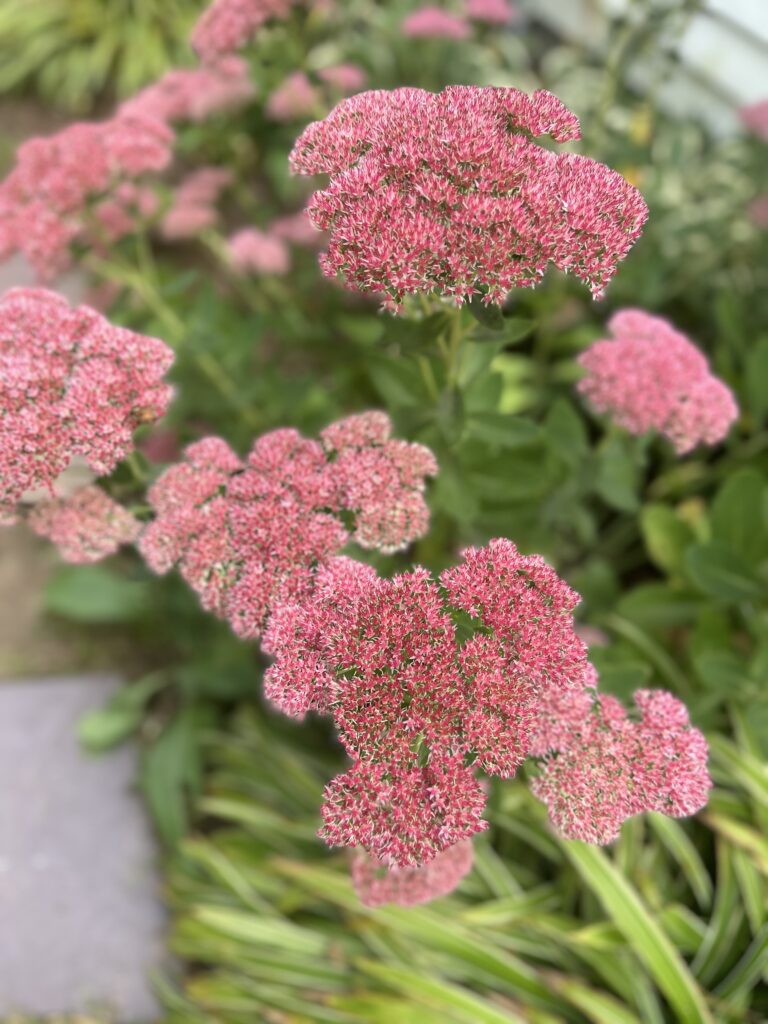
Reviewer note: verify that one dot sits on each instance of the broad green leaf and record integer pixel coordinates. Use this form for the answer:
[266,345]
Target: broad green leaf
[618,479]
[719,572]
[738,515]
[666,536]
[644,935]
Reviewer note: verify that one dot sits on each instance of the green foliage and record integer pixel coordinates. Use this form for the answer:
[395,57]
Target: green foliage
[73,52]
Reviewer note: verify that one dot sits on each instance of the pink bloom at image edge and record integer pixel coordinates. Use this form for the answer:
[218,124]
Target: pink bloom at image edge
[266,522]
[435,23]
[71,384]
[600,767]
[433,192]
[227,25]
[86,526]
[755,118]
[649,376]
[492,12]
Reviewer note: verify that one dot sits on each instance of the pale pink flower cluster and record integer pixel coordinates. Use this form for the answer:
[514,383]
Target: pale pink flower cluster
[755,118]
[492,12]
[42,201]
[448,192]
[86,526]
[345,78]
[649,376]
[600,766]
[193,208]
[127,207]
[71,384]
[376,883]
[418,707]
[435,23]
[253,251]
[297,229]
[227,25]
[195,94]
[247,535]
[295,98]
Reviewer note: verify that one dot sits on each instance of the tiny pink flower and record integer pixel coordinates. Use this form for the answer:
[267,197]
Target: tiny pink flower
[649,376]
[85,527]
[435,23]
[195,94]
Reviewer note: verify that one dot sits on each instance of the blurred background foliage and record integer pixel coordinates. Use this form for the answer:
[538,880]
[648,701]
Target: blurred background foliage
[671,556]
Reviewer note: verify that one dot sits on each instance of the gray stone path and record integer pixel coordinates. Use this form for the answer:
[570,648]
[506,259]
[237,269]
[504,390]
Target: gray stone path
[81,923]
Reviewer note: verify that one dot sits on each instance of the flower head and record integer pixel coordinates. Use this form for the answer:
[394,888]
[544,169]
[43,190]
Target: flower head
[194,203]
[600,766]
[755,118]
[346,78]
[449,192]
[194,94]
[247,535]
[227,25]
[43,199]
[492,12]
[376,883]
[295,98]
[435,23]
[85,527]
[71,384]
[411,699]
[649,376]
[261,252]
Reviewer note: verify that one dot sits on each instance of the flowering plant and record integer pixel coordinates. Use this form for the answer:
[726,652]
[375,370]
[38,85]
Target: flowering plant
[474,521]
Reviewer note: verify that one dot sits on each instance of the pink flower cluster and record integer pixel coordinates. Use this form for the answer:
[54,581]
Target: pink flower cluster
[755,118]
[418,708]
[78,185]
[227,25]
[43,198]
[297,98]
[193,208]
[492,12]
[448,192]
[376,883]
[85,527]
[252,251]
[601,767]
[247,535]
[71,384]
[194,94]
[435,23]
[649,376]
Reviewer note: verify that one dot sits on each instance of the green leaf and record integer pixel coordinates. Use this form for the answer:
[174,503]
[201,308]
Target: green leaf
[96,595]
[505,431]
[618,479]
[489,315]
[756,378]
[738,515]
[170,772]
[666,536]
[720,572]
[645,936]
[121,716]
[566,432]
